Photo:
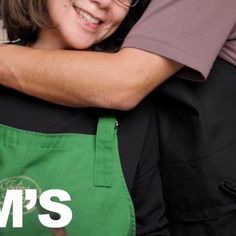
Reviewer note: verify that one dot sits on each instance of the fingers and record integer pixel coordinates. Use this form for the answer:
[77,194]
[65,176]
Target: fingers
[59,232]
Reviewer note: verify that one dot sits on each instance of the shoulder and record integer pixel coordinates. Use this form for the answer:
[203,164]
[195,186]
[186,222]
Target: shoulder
[190,32]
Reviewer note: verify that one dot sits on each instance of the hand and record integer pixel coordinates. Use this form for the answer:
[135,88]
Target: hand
[59,232]
[8,53]
[4,70]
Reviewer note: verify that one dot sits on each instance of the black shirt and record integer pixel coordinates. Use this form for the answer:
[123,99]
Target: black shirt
[138,146]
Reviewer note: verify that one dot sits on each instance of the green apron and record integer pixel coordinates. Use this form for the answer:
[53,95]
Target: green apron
[86,166]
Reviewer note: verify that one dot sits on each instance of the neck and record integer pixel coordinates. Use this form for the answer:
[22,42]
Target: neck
[48,39]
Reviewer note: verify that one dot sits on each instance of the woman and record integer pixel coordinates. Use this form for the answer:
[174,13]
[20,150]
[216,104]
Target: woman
[196,120]
[76,149]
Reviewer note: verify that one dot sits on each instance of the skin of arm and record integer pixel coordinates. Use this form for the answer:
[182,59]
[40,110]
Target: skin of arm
[83,78]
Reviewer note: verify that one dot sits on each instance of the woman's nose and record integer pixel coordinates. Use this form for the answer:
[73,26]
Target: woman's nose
[103,3]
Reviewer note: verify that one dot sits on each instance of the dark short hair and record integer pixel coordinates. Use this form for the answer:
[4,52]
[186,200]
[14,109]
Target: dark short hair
[24,18]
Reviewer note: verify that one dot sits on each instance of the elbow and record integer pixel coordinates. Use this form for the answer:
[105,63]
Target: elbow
[129,95]
[126,101]
[124,105]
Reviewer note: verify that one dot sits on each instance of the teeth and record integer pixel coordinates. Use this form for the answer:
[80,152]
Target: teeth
[87,17]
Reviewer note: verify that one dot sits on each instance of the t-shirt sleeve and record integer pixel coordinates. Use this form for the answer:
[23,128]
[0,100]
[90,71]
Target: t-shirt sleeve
[191,32]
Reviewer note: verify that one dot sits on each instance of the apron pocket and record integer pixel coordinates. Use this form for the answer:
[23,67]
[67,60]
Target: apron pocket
[202,189]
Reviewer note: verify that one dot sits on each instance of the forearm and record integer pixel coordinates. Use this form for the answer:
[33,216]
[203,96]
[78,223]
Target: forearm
[77,78]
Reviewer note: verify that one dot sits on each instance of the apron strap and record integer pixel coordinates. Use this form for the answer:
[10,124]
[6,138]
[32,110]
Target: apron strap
[104,152]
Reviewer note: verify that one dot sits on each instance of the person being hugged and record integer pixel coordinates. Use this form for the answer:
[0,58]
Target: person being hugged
[110,172]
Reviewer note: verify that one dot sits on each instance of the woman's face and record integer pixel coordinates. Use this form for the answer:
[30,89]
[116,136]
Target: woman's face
[80,23]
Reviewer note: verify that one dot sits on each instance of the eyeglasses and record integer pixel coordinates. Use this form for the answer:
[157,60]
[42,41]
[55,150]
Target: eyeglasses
[128,3]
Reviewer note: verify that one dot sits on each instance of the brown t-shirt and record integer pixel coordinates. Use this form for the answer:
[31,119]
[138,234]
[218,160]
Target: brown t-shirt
[191,32]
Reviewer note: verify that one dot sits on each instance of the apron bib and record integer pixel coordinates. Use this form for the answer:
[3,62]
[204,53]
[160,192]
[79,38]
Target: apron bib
[86,166]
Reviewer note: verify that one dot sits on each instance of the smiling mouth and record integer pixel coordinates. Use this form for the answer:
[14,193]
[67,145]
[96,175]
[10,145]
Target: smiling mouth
[87,17]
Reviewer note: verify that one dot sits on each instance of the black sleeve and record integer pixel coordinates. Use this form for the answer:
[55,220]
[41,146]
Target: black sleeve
[147,188]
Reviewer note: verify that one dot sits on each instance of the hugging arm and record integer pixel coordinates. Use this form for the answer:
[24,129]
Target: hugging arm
[122,79]
[81,78]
